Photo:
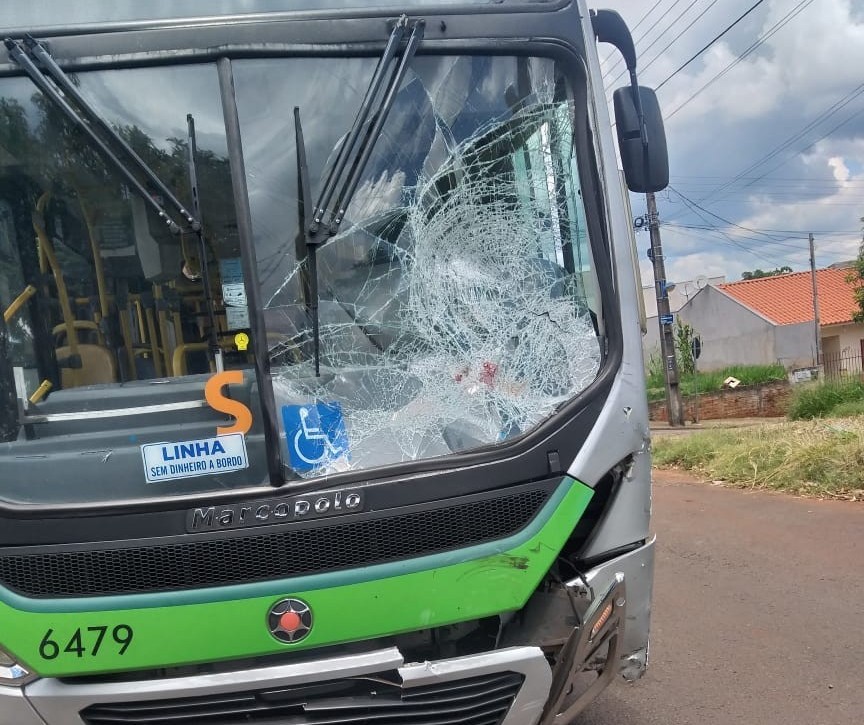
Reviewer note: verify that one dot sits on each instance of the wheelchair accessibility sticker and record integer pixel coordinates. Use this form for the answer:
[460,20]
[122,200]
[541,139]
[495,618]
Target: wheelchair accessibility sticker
[315,434]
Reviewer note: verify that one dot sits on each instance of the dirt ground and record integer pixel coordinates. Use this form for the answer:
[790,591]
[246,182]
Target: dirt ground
[758,612]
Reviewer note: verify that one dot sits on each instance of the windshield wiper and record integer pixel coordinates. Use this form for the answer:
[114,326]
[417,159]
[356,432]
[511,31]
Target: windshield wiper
[215,350]
[324,219]
[37,63]
[35,60]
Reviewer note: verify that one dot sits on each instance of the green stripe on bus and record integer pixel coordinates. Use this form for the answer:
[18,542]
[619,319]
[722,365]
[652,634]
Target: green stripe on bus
[178,628]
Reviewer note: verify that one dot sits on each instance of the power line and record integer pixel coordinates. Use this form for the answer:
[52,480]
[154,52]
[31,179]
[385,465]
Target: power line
[696,208]
[729,242]
[696,55]
[814,192]
[807,147]
[671,42]
[823,197]
[790,179]
[728,239]
[834,108]
[779,258]
[815,231]
[747,51]
[724,238]
[738,238]
[641,37]
[690,203]
[791,182]
[633,29]
[793,233]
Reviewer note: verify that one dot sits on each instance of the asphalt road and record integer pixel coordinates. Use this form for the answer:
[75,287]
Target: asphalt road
[758,612]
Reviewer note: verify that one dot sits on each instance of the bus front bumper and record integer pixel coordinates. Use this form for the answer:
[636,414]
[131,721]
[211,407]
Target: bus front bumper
[526,683]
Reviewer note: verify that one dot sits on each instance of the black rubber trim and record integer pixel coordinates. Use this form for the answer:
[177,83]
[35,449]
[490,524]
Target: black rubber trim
[599,559]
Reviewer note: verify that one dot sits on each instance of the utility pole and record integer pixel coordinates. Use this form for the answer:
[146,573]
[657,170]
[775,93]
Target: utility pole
[674,408]
[816,330]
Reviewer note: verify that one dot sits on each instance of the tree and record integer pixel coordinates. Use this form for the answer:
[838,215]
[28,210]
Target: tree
[760,273]
[856,279]
[684,336]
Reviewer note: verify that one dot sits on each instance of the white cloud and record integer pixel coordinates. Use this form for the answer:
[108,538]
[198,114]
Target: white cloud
[700,264]
[841,171]
[774,105]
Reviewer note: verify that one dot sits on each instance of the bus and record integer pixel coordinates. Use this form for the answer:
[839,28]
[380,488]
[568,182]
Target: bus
[321,381]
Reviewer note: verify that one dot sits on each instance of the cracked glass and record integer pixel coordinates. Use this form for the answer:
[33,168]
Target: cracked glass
[458,303]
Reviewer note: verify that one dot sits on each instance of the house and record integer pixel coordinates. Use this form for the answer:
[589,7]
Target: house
[679,293]
[768,320]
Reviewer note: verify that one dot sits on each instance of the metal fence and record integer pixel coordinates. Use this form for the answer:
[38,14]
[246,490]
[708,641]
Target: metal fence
[842,365]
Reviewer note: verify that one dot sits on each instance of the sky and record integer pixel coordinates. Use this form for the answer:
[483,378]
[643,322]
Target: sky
[764,148]
[765,128]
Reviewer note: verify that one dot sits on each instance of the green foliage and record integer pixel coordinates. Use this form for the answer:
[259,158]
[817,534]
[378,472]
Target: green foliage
[747,374]
[684,336]
[654,366]
[760,273]
[818,400]
[706,382]
[61,159]
[856,279]
[813,458]
[849,409]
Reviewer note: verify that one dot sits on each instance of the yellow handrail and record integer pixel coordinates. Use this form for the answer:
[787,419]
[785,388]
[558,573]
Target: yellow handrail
[19,302]
[96,250]
[41,391]
[47,249]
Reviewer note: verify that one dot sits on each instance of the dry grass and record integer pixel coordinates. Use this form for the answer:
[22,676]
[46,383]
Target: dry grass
[818,458]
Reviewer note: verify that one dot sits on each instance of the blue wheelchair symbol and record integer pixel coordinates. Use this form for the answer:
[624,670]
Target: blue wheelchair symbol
[315,434]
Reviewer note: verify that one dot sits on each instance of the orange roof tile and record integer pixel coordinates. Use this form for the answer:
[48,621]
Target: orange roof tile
[788,298]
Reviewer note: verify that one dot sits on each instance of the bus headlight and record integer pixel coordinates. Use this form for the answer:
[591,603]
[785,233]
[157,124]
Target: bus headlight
[12,672]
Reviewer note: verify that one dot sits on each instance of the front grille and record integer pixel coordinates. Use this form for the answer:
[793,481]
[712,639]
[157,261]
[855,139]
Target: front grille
[482,700]
[266,556]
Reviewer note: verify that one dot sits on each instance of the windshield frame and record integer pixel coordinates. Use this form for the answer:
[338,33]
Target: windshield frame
[596,209]
[367,10]
[610,338]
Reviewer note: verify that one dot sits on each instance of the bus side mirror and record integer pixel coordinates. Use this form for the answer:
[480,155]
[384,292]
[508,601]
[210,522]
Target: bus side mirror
[646,166]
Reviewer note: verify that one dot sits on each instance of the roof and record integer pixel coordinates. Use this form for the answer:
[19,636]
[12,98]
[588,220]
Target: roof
[788,298]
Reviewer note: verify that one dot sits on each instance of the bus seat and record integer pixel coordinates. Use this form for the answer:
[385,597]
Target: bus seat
[178,362]
[60,331]
[98,366]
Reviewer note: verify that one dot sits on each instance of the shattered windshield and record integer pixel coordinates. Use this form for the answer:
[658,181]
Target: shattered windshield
[458,304]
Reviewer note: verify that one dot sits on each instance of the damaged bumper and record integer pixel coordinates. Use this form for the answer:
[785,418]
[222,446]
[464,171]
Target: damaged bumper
[539,681]
[592,628]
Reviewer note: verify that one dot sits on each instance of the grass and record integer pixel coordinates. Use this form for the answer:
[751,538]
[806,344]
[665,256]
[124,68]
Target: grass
[704,382]
[818,458]
[819,400]
[849,409]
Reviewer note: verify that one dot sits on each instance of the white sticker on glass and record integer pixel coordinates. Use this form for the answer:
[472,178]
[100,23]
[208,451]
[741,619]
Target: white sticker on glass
[167,461]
